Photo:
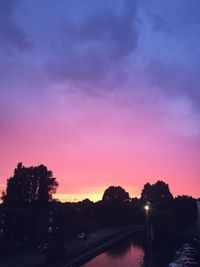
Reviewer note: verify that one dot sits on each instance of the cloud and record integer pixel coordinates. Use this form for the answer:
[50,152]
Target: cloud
[94,47]
[173,80]
[160,24]
[11,35]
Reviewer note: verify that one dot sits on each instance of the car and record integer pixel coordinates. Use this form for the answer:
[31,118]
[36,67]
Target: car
[82,236]
[43,248]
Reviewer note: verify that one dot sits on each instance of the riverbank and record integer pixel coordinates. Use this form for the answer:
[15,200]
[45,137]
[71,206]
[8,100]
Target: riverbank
[85,253]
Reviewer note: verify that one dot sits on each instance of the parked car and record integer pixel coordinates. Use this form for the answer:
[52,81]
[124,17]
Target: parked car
[82,236]
[43,248]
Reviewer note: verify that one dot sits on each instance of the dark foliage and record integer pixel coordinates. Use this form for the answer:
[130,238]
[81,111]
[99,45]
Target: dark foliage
[115,193]
[156,192]
[185,208]
[30,184]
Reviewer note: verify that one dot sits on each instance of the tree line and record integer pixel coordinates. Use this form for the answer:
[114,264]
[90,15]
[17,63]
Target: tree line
[37,185]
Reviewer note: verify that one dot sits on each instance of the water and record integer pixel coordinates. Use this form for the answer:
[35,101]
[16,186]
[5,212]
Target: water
[125,253]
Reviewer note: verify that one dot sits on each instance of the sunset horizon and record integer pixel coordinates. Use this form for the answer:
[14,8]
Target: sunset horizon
[133,190]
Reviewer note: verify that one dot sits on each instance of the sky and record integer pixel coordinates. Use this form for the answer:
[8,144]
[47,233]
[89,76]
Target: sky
[102,92]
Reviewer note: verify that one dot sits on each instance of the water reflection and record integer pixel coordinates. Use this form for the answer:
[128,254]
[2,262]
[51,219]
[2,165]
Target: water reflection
[125,253]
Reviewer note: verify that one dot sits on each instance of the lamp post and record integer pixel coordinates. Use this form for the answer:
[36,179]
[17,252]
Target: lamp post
[149,245]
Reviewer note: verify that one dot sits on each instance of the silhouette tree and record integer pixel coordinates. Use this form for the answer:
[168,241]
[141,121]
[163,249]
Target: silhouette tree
[28,185]
[185,208]
[115,205]
[156,192]
[115,193]
[47,184]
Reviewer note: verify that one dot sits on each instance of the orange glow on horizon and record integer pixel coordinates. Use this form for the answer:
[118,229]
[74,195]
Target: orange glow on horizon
[77,197]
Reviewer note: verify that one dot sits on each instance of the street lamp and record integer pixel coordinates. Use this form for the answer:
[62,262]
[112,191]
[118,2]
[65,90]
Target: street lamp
[146,208]
[149,245]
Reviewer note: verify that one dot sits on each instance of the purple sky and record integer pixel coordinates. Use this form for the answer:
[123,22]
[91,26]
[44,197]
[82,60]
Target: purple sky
[104,92]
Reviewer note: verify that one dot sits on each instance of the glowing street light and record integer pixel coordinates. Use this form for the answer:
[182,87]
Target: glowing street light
[146,207]
[149,245]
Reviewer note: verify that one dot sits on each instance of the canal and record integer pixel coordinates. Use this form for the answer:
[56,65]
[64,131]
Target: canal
[127,253]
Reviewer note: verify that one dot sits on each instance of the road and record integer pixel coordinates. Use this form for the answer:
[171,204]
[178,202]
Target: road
[34,259]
